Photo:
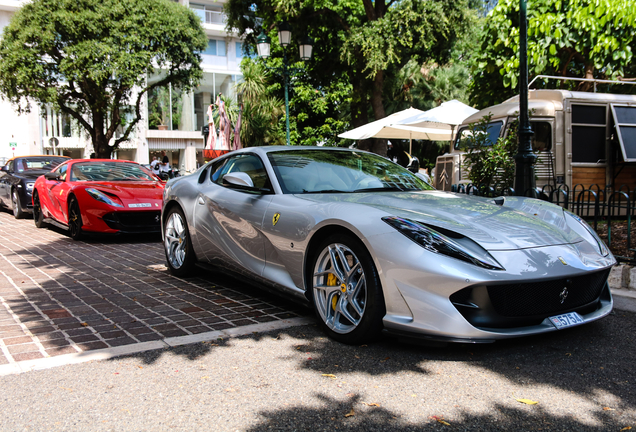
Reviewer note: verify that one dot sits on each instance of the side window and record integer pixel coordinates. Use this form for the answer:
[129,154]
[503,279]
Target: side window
[588,133]
[216,170]
[246,163]
[61,170]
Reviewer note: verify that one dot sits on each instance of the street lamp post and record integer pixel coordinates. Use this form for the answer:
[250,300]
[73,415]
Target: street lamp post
[284,38]
[525,158]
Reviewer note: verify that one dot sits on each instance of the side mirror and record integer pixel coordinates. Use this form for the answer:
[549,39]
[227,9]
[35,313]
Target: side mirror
[243,181]
[238,179]
[5,168]
[52,176]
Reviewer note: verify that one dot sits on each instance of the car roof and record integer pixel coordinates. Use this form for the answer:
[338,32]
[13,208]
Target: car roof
[270,149]
[41,155]
[102,160]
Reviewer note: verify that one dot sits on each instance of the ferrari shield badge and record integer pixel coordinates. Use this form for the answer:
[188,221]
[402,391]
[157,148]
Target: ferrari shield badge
[275,219]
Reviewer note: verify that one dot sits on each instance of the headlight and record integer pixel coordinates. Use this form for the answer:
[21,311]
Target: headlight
[575,222]
[101,196]
[435,242]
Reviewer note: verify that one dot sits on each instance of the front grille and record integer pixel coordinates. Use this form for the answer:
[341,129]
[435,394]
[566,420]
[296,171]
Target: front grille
[539,298]
[137,221]
[528,304]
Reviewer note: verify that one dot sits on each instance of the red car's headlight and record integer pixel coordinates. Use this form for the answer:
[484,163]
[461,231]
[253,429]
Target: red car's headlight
[101,196]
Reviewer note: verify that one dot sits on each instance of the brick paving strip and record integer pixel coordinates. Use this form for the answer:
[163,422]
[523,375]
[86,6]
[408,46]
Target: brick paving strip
[64,298]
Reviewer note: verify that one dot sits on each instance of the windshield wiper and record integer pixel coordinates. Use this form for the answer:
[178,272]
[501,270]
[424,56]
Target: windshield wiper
[325,191]
[386,189]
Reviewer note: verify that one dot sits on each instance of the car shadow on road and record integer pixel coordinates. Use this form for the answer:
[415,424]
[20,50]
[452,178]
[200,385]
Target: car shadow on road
[355,414]
[588,360]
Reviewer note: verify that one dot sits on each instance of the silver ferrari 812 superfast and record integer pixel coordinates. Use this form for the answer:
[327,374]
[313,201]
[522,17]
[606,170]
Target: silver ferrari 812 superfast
[373,247]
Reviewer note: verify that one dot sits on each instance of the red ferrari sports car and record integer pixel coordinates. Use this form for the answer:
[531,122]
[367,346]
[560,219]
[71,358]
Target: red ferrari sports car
[99,196]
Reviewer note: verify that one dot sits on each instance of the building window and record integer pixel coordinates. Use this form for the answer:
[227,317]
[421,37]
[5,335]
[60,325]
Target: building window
[169,108]
[209,14]
[215,47]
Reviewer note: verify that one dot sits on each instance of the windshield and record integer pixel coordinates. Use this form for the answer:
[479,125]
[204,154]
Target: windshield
[325,171]
[109,171]
[38,163]
[464,136]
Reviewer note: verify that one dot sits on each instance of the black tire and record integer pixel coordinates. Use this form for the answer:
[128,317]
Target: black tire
[15,204]
[38,216]
[351,312]
[74,220]
[177,244]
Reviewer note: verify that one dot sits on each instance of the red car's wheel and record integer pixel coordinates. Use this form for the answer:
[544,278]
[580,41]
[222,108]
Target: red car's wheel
[38,216]
[74,220]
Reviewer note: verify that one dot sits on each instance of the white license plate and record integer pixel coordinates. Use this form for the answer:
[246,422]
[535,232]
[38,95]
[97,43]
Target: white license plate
[140,205]
[566,320]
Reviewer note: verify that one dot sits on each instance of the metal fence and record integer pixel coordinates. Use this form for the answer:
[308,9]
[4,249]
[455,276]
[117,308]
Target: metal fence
[595,204]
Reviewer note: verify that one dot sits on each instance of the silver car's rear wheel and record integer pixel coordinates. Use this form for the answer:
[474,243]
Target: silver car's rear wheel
[346,290]
[177,243]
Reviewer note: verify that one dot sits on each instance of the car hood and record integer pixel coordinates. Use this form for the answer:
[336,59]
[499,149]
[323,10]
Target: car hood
[130,191]
[518,223]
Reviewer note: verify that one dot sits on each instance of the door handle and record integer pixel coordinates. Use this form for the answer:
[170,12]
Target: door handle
[200,200]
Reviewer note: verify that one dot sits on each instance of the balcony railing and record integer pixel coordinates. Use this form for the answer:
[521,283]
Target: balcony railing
[211,17]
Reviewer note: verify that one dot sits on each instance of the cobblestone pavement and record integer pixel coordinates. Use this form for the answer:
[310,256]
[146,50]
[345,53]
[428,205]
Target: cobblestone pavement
[58,296]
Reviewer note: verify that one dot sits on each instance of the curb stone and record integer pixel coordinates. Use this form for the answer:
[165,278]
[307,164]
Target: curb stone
[622,277]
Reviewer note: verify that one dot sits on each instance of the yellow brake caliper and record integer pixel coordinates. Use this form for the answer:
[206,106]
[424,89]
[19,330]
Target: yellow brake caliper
[332,280]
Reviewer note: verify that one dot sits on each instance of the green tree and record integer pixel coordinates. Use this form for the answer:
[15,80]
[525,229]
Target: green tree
[358,44]
[569,38]
[262,111]
[90,59]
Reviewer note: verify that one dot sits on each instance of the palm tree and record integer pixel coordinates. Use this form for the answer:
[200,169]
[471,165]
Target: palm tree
[261,111]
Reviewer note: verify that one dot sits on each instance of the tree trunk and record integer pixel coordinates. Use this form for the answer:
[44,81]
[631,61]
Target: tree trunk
[378,146]
[100,141]
[589,74]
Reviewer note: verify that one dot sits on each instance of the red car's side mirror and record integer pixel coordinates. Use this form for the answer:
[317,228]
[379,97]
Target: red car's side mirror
[52,176]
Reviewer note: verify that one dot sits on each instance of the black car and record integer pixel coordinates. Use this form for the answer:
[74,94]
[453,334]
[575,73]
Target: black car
[17,178]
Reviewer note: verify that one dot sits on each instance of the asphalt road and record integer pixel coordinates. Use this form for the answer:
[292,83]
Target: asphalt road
[296,379]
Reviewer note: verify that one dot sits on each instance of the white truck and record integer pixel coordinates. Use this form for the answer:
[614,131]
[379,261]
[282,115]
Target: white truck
[579,138]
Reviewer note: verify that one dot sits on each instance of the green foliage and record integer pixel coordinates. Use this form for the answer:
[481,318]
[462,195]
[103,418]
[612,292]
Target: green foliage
[356,47]
[572,38]
[262,111]
[490,164]
[90,59]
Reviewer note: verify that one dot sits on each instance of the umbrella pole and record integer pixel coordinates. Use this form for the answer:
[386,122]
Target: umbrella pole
[410,142]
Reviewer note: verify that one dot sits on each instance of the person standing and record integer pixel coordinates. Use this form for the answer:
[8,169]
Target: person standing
[164,166]
[154,165]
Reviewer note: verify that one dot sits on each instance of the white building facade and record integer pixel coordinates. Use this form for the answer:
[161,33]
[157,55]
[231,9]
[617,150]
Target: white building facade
[172,120]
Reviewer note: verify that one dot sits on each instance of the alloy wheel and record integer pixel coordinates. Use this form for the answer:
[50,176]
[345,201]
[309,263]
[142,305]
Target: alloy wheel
[15,202]
[340,289]
[74,220]
[175,240]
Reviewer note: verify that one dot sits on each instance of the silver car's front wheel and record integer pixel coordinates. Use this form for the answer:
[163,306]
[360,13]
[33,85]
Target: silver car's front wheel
[346,291]
[177,243]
